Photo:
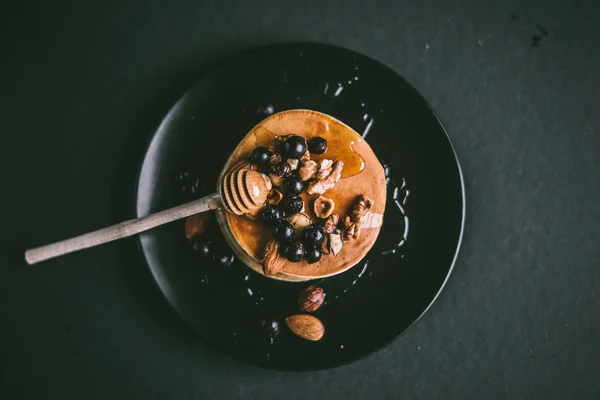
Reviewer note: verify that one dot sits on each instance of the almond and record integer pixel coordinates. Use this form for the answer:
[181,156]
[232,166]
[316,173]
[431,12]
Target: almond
[272,261]
[196,224]
[306,326]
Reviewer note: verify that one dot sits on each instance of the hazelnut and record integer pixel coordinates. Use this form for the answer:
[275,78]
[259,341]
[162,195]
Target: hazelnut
[323,207]
[311,299]
[275,196]
[299,221]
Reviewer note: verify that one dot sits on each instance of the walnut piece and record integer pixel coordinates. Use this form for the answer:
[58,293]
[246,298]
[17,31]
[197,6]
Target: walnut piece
[361,207]
[272,261]
[274,159]
[320,186]
[346,222]
[275,196]
[352,224]
[308,170]
[305,157]
[323,207]
[324,168]
[331,223]
[293,164]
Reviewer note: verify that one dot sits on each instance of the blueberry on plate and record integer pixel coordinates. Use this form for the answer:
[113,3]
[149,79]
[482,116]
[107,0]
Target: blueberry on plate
[313,235]
[284,232]
[317,145]
[272,215]
[293,185]
[261,155]
[313,254]
[292,204]
[293,251]
[293,147]
[282,169]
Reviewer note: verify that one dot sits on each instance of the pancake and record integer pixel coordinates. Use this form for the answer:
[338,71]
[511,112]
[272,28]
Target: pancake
[363,174]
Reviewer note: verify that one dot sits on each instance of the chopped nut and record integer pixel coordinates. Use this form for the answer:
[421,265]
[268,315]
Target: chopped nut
[305,157]
[361,207]
[325,248]
[320,186]
[272,260]
[293,164]
[299,221]
[346,222]
[351,233]
[324,168]
[274,196]
[311,299]
[196,224]
[331,223]
[277,181]
[308,170]
[323,207]
[335,243]
[274,159]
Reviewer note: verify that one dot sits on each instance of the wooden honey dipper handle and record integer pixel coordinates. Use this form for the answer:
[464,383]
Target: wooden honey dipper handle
[240,192]
[122,230]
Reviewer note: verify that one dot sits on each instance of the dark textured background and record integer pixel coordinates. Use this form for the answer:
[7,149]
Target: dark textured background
[84,85]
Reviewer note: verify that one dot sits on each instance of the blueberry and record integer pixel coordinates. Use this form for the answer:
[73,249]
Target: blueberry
[317,145]
[292,204]
[313,254]
[313,235]
[283,169]
[293,251]
[271,325]
[272,215]
[284,232]
[261,155]
[294,147]
[293,185]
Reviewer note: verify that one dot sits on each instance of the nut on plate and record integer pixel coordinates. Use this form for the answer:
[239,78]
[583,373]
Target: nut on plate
[275,196]
[331,223]
[196,224]
[299,221]
[323,207]
[308,170]
[333,175]
[272,261]
[311,299]
[306,326]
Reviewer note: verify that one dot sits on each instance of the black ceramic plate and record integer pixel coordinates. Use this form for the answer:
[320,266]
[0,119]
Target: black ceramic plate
[367,306]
